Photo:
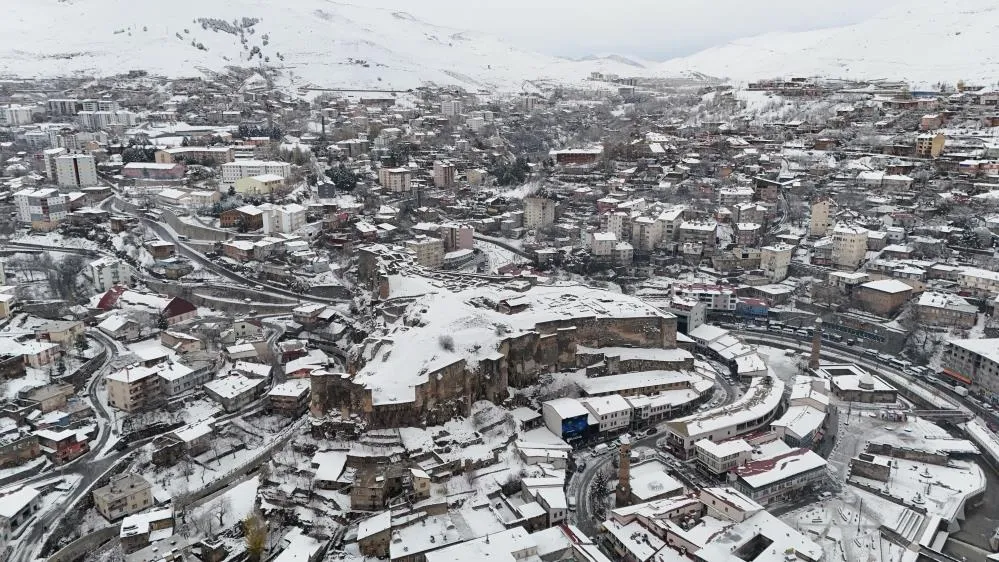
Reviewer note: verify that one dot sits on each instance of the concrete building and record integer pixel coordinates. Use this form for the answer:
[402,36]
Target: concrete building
[781,478]
[818,222]
[429,251]
[282,218]
[16,509]
[451,108]
[457,237]
[444,174]
[76,170]
[206,155]
[930,145]
[108,272]
[698,232]
[233,171]
[724,457]
[263,184]
[126,494]
[43,209]
[853,384]
[612,412]
[396,180]
[539,212]
[774,261]
[49,157]
[849,246]
[974,363]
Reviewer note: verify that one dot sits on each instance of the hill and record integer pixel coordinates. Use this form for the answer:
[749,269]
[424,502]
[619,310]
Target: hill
[922,42]
[310,41]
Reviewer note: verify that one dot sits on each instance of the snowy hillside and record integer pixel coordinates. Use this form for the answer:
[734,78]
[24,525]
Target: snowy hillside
[923,42]
[321,42]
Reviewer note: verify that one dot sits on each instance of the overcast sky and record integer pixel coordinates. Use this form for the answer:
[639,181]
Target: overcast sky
[654,29]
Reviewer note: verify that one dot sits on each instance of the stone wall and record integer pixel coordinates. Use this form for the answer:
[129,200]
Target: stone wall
[193,231]
[210,296]
[518,362]
[85,545]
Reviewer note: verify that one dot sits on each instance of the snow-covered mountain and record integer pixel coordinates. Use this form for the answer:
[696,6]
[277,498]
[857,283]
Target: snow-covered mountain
[921,41]
[326,43]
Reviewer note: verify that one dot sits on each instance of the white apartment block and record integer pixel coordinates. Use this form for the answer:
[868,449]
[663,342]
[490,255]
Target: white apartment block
[49,156]
[99,105]
[849,246]
[396,180]
[451,108]
[282,218]
[429,251]
[774,261]
[15,115]
[76,170]
[612,411]
[94,120]
[539,212]
[40,206]
[240,169]
[108,272]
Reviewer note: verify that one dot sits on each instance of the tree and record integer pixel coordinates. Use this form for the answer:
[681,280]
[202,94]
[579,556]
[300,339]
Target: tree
[342,178]
[81,344]
[61,366]
[255,534]
[162,322]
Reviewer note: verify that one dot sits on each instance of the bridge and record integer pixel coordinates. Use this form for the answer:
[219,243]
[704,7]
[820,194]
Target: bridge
[956,416]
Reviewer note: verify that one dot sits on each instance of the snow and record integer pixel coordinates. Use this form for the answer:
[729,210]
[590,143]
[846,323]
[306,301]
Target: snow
[867,49]
[332,45]
[236,503]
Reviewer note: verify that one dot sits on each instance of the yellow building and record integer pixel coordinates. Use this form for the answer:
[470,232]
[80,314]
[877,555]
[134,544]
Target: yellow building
[259,185]
[930,145]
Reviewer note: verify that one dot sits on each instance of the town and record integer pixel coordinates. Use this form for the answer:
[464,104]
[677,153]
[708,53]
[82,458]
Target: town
[626,318]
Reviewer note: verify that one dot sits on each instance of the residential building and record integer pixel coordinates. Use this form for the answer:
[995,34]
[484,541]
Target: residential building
[263,184]
[396,180]
[612,412]
[539,212]
[237,170]
[946,309]
[973,363]
[444,174]
[108,272]
[774,261]
[49,156]
[16,509]
[457,237]
[429,251]
[234,391]
[698,232]
[849,246]
[282,218]
[15,115]
[126,494]
[76,170]
[930,145]
[818,223]
[451,108]
[153,171]
[133,389]
[290,398]
[207,155]
[43,208]
[61,446]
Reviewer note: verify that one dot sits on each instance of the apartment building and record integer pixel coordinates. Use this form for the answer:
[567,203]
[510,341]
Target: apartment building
[818,223]
[15,115]
[233,171]
[126,494]
[976,282]
[946,309]
[429,251]
[539,212]
[724,457]
[775,260]
[444,173]
[714,297]
[457,237]
[930,145]
[698,232]
[96,120]
[195,154]
[451,108]
[884,297]
[134,388]
[76,170]
[108,272]
[282,218]
[43,209]
[849,246]
[396,180]
[49,158]
[974,362]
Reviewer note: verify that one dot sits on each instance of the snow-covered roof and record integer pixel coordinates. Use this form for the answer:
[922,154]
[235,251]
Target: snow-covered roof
[567,408]
[292,388]
[888,286]
[800,421]
[13,503]
[631,381]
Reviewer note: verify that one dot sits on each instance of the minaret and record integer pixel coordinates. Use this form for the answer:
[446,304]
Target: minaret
[623,491]
[813,361]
